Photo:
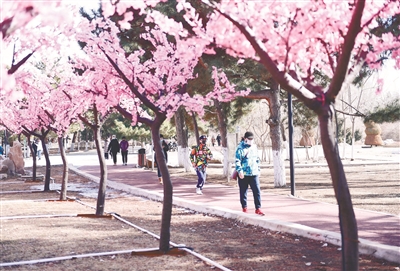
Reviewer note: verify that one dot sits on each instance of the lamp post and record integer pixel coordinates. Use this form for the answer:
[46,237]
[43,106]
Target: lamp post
[290,120]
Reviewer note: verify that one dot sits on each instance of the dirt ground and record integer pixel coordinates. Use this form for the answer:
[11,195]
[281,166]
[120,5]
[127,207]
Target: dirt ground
[228,242]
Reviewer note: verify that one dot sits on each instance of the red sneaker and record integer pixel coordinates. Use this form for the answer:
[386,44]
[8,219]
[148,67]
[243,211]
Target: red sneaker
[259,212]
[245,210]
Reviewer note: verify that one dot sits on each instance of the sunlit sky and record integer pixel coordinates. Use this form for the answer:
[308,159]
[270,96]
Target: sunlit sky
[89,4]
[391,78]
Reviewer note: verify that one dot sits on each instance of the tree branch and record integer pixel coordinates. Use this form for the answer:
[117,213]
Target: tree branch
[14,68]
[263,94]
[358,112]
[286,81]
[347,48]
[128,115]
[135,91]
[350,114]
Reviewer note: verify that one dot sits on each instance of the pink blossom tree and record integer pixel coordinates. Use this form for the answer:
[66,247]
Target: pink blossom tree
[293,41]
[17,117]
[73,98]
[28,28]
[157,83]
[22,35]
[43,107]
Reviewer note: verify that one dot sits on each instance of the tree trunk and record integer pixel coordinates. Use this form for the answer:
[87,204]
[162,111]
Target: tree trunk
[165,233]
[48,164]
[33,159]
[73,141]
[101,196]
[96,127]
[272,96]
[224,137]
[64,181]
[196,129]
[348,223]
[182,140]
[275,133]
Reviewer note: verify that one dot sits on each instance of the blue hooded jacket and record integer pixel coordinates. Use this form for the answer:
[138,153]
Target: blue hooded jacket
[246,159]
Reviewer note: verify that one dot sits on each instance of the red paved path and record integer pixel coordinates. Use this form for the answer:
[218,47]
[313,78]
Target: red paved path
[373,226]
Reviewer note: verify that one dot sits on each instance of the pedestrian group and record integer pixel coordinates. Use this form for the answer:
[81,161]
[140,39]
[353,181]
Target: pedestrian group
[247,164]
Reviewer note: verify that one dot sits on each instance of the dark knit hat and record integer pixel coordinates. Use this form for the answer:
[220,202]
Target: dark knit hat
[249,135]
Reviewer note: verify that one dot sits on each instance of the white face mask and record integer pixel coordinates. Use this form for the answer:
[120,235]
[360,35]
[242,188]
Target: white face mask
[248,141]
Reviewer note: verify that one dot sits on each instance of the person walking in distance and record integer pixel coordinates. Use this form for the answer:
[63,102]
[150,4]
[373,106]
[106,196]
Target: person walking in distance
[247,164]
[106,142]
[39,148]
[165,148]
[199,156]
[35,147]
[213,141]
[219,140]
[113,148]
[124,145]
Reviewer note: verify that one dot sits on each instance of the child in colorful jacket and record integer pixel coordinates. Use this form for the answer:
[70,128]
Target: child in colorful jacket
[199,156]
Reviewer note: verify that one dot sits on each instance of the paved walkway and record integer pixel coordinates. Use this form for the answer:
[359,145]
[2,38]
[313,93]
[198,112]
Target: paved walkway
[379,233]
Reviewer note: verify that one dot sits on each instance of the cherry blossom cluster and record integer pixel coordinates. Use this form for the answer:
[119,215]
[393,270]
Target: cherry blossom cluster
[47,76]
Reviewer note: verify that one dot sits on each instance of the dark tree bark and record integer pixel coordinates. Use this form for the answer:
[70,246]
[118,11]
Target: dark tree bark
[28,136]
[347,219]
[196,129]
[34,162]
[42,138]
[221,124]
[101,196]
[48,164]
[223,130]
[96,127]
[182,140]
[275,133]
[181,130]
[165,232]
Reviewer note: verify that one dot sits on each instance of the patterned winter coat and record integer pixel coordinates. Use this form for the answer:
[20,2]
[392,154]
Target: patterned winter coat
[200,155]
[247,160]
